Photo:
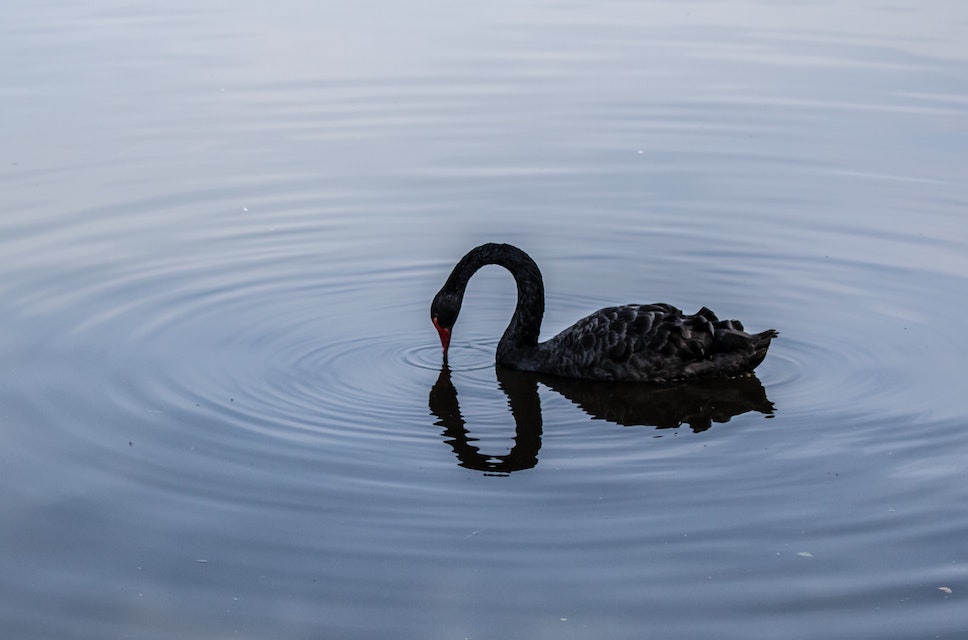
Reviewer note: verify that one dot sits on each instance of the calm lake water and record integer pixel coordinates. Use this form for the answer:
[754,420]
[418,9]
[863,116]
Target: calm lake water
[222,403]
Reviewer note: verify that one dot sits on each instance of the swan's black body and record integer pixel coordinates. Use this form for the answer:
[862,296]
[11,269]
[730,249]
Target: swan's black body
[637,342]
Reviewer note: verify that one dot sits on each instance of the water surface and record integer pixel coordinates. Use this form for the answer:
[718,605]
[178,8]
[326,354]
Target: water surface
[223,406]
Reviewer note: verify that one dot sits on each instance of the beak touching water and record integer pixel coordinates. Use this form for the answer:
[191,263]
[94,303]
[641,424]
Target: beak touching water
[444,336]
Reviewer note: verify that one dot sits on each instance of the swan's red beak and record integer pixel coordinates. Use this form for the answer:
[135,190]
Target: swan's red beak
[444,336]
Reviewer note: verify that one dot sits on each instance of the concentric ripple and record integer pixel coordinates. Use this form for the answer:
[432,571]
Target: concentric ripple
[222,402]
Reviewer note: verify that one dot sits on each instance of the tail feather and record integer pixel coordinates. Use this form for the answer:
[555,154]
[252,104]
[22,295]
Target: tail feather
[761,343]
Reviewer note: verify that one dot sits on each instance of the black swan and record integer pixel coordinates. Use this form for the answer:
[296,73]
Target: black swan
[637,342]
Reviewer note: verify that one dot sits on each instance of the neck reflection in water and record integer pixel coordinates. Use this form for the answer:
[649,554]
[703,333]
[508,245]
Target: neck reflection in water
[663,406]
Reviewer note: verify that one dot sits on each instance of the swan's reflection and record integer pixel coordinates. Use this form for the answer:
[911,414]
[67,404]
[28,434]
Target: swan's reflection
[698,404]
[522,392]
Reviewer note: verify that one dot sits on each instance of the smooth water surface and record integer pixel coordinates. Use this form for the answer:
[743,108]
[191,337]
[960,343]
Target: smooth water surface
[222,403]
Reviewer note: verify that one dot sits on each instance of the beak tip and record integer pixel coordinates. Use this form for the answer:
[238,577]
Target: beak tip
[444,337]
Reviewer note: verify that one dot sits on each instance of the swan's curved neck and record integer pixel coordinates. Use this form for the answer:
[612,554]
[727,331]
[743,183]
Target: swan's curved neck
[525,326]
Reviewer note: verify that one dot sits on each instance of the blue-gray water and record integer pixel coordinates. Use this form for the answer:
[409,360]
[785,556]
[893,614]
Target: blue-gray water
[221,402]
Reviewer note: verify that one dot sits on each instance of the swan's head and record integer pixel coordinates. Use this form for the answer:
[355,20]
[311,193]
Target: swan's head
[443,313]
